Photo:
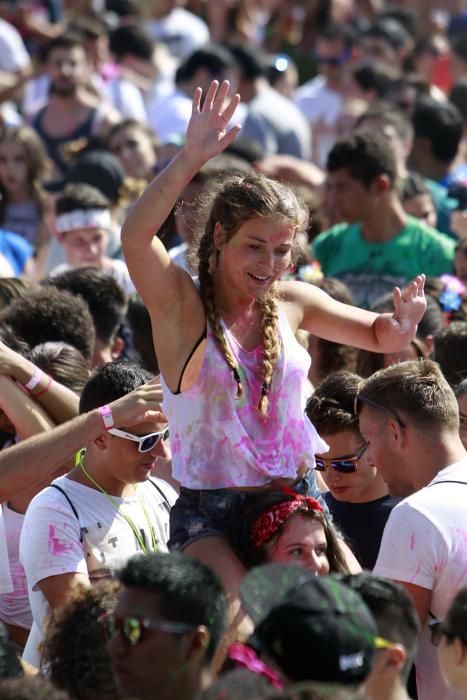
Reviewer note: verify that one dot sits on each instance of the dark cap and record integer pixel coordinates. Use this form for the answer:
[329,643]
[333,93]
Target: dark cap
[102,170]
[315,628]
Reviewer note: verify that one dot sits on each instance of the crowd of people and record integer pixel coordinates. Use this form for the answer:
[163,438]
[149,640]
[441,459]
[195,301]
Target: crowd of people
[233,349]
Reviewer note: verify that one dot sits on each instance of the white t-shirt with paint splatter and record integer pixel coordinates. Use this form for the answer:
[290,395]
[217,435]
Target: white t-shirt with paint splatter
[54,541]
[425,544]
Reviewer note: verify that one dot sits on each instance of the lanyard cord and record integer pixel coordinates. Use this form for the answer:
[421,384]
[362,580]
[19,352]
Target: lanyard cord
[118,508]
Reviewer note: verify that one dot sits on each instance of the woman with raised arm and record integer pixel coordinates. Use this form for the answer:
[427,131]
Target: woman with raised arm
[232,371]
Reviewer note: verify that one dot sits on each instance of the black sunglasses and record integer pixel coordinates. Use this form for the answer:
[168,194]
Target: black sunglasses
[344,465]
[132,627]
[360,398]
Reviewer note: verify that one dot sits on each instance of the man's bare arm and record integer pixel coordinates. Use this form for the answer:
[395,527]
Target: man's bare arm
[32,460]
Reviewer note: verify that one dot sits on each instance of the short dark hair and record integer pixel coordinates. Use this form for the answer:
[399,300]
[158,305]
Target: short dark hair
[105,298]
[214,57]
[252,61]
[69,40]
[393,610]
[390,115]
[188,591]
[389,30]
[79,195]
[131,39]
[416,389]
[111,382]
[337,31]
[441,124]
[64,363]
[450,351]
[365,155]
[413,185]
[330,407]
[53,314]
[74,648]
[377,76]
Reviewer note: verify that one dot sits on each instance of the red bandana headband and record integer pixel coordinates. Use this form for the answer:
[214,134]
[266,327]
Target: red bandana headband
[271,520]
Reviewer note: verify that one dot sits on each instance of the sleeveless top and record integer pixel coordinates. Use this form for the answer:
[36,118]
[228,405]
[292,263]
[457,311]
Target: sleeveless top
[55,145]
[218,441]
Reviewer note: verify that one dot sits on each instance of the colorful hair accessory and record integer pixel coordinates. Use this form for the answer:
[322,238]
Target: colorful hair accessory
[450,298]
[83,218]
[271,520]
[246,657]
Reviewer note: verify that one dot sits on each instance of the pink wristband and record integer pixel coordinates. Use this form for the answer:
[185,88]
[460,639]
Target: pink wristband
[107,417]
[35,379]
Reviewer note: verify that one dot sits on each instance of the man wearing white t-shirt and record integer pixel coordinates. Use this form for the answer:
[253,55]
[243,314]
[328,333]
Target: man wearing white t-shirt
[89,523]
[408,414]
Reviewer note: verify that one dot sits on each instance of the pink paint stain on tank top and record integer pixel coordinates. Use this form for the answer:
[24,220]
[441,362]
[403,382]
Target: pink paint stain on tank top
[56,547]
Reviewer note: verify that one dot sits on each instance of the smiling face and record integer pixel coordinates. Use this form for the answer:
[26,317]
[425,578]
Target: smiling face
[256,256]
[302,542]
[361,486]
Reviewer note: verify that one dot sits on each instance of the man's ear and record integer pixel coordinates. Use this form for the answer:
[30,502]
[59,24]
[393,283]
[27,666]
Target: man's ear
[395,657]
[102,441]
[118,345]
[199,641]
[219,236]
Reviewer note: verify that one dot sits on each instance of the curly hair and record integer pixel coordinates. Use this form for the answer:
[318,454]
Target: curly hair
[330,408]
[252,509]
[232,204]
[74,647]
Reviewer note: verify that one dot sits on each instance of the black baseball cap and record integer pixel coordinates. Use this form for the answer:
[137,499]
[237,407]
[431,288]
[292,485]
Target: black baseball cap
[314,628]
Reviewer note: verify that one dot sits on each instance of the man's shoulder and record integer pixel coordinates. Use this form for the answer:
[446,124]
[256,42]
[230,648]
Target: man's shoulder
[336,234]
[428,234]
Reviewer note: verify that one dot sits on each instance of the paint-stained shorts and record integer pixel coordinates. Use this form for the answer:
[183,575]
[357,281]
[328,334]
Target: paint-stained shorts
[209,513]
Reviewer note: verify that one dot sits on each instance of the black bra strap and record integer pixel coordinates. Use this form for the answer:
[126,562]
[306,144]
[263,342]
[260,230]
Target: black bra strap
[449,482]
[70,503]
[196,346]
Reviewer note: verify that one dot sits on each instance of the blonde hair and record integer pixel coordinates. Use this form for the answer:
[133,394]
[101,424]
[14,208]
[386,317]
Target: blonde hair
[233,203]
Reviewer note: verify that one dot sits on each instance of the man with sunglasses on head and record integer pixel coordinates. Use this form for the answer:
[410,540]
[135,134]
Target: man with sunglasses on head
[358,498]
[409,416]
[87,524]
[170,617]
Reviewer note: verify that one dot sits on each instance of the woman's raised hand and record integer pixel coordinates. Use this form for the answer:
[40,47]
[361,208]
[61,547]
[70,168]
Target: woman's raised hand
[207,132]
[409,305]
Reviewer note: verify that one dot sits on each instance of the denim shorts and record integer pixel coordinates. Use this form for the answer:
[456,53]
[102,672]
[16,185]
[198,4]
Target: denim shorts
[210,513]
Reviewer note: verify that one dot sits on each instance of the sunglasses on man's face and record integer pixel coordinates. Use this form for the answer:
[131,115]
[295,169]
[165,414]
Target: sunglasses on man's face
[132,627]
[145,442]
[346,464]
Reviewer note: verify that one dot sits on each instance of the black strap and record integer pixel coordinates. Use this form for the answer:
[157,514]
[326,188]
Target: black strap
[162,494]
[75,512]
[448,482]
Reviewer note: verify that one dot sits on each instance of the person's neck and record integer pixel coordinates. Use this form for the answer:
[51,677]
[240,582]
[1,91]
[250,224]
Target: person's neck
[386,690]
[377,489]
[19,196]
[435,456]
[231,304]
[69,104]
[90,472]
[384,222]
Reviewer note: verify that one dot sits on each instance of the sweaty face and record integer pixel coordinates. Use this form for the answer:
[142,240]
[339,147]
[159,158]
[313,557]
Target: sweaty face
[256,256]
[13,168]
[356,487]
[155,665]
[302,542]
[135,150]
[85,247]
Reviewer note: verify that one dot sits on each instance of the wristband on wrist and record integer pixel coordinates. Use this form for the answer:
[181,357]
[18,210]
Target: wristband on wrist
[35,379]
[45,389]
[107,417]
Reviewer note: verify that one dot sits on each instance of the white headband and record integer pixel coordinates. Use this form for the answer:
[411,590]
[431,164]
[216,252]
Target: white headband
[83,218]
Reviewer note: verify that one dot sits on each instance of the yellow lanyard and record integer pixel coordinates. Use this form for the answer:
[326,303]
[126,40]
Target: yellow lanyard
[119,510]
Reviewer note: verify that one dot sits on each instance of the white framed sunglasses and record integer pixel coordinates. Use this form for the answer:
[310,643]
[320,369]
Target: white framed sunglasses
[145,442]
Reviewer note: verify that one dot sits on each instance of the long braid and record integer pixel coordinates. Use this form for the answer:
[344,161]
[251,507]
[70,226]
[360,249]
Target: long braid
[206,286]
[271,346]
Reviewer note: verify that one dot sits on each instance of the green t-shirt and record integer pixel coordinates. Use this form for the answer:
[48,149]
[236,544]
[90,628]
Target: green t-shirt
[373,269]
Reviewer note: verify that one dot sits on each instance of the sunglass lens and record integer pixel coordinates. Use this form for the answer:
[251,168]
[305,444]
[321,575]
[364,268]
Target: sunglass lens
[319,465]
[132,630]
[149,442]
[344,466]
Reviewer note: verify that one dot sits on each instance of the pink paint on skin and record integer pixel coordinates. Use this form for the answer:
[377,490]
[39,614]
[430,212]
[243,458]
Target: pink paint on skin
[56,547]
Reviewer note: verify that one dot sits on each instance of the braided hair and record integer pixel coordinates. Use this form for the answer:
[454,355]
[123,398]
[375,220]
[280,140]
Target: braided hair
[236,201]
